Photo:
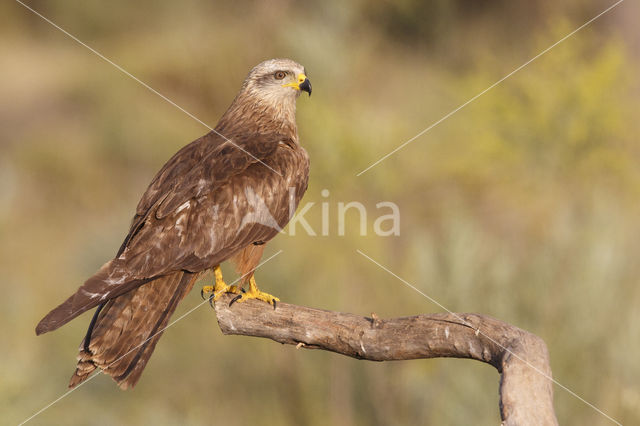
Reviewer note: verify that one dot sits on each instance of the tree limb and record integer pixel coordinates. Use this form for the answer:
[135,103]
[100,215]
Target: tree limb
[521,358]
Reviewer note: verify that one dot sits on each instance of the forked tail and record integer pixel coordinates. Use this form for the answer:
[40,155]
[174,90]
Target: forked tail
[128,327]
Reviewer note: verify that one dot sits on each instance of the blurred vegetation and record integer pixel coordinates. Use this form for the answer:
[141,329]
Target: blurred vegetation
[523,205]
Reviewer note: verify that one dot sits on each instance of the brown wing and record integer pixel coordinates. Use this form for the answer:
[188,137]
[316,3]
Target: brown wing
[266,205]
[188,219]
[203,165]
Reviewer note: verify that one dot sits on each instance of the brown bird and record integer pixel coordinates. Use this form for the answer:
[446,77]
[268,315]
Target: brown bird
[219,198]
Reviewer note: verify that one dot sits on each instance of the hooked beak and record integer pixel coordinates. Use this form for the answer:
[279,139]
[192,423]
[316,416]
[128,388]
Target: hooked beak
[303,84]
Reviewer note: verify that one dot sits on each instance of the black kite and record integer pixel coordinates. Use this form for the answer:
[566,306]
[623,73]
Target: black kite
[199,211]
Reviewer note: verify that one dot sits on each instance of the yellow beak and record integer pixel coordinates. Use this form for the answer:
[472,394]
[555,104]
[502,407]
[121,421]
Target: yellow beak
[303,83]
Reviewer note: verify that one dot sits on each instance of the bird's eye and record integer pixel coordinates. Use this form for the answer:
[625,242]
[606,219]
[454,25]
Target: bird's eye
[279,75]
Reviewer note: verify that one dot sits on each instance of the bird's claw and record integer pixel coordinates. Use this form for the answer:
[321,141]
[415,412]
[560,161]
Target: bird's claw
[235,299]
[206,289]
[254,293]
[221,287]
[214,293]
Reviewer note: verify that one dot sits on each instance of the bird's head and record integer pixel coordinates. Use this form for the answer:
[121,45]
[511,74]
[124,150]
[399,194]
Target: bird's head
[277,81]
[267,99]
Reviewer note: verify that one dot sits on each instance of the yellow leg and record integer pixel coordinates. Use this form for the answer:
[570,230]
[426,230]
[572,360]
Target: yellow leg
[220,287]
[255,293]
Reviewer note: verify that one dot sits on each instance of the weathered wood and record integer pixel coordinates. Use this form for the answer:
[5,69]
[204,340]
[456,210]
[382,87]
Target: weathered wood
[526,392]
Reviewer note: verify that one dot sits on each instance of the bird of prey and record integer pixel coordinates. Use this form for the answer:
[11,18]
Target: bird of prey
[219,198]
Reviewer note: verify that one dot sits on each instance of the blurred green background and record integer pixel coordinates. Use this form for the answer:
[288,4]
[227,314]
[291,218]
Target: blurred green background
[523,206]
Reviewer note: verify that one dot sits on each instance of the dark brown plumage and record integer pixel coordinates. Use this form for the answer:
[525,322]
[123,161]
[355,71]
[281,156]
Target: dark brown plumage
[219,198]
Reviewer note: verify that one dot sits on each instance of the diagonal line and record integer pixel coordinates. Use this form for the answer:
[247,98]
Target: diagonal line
[478,331]
[489,88]
[64,395]
[147,86]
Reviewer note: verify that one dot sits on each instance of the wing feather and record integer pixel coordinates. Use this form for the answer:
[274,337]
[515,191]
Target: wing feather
[174,227]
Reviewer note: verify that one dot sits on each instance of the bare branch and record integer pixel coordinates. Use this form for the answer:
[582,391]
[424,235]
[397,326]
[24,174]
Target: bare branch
[526,392]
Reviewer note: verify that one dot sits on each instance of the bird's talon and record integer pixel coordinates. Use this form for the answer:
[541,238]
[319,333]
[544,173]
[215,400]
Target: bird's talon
[265,297]
[215,292]
[254,293]
[235,299]
[206,289]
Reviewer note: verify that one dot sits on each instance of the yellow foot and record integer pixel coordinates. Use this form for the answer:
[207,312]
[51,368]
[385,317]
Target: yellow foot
[255,293]
[220,288]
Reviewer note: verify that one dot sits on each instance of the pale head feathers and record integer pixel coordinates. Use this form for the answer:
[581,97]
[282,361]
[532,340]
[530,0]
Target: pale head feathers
[263,81]
[263,103]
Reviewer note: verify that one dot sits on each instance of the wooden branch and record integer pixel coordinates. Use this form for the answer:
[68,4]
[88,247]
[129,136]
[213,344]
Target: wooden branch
[526,392]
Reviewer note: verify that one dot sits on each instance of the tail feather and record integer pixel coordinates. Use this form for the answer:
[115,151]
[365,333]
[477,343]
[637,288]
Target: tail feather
[110,281]
[128,329]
